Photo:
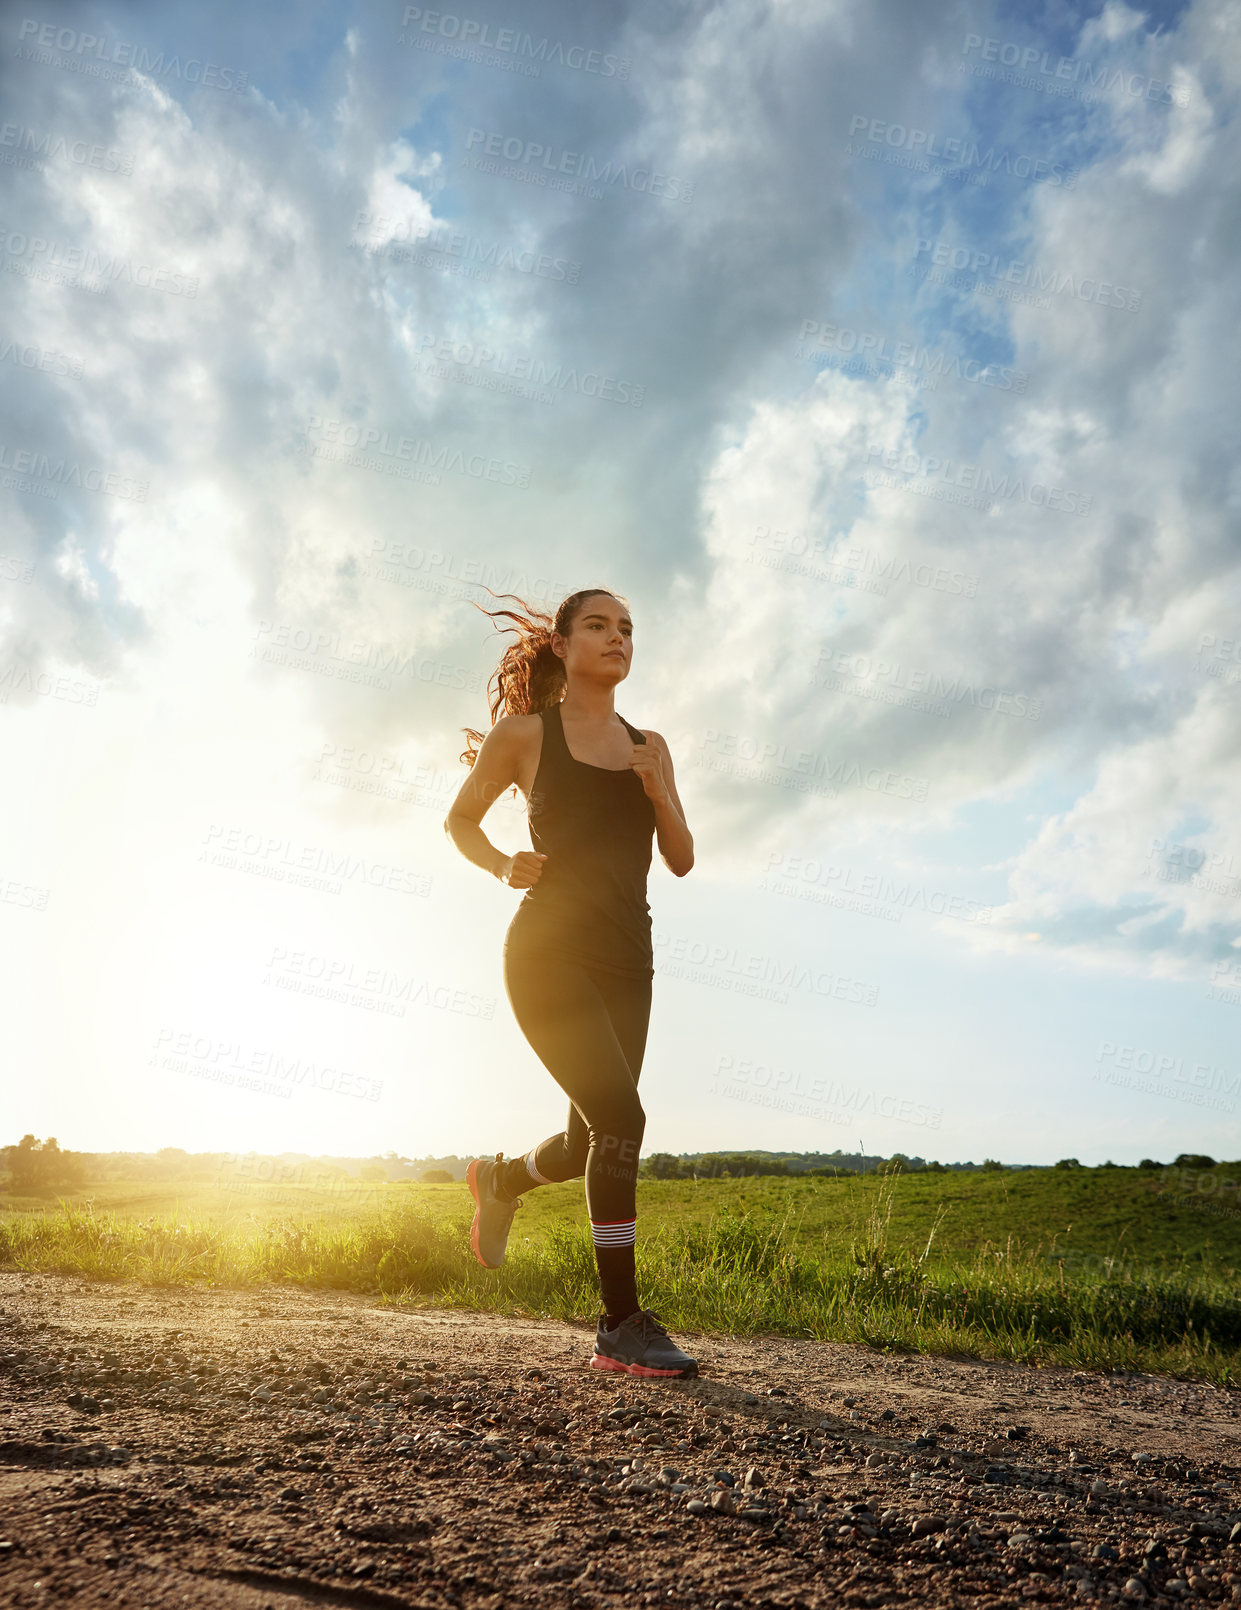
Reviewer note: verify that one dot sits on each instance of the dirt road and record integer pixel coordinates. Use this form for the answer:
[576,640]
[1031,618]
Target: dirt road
[287,1448]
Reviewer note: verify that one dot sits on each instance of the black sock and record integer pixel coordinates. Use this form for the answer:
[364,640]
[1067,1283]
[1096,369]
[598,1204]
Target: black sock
[505,1185]
[617,1280]
[611,1321]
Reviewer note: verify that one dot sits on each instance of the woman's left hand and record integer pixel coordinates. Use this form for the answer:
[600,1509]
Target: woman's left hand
[648,764]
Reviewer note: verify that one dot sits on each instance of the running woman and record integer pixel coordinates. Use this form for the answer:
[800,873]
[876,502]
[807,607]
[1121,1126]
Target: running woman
[578,962]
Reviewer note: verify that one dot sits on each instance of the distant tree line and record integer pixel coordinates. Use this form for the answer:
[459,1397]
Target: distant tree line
[35,1165]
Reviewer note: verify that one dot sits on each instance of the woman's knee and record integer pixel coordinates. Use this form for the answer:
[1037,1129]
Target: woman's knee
[618,1136]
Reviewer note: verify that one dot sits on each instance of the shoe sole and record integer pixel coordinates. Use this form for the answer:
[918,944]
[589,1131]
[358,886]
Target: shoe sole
[471,1179]
[600,1361]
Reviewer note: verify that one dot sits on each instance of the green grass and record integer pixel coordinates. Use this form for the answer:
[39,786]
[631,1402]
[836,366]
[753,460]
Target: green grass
[1102,1268]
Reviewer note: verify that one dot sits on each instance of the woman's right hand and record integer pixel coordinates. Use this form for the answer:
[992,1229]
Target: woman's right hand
[523,870]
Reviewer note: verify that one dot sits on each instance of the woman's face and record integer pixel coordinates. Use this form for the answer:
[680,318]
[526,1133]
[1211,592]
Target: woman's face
[600,640]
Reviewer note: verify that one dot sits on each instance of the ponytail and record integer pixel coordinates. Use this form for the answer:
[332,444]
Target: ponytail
[531,675]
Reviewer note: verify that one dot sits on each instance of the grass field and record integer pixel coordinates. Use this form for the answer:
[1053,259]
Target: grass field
[1095,1268]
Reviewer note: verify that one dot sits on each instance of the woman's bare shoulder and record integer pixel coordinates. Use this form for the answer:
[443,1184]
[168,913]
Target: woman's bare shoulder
[518,731]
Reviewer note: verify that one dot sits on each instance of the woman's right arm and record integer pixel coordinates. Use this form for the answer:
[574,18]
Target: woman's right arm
[494,770]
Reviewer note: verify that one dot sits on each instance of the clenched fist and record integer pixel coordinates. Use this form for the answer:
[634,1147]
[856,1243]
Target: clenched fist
[522,870]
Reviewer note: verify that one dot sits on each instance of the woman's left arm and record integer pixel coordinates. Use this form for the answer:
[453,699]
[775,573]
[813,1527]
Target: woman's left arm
[653,764]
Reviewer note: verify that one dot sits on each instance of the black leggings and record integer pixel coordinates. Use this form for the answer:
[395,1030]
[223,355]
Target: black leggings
[588,1028]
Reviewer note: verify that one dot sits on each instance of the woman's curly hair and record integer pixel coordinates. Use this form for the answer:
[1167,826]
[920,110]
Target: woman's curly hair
[530,676]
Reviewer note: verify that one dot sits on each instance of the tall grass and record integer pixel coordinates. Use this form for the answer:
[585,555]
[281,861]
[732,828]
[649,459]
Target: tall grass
[733,1274]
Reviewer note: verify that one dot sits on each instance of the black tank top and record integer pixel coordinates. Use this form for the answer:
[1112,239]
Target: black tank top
[595,825]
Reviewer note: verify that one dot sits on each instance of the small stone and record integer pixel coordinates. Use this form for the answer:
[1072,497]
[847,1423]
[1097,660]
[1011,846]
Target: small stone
[1134,1588]
[995,1474]
[1234,1536]
[614,1535]
[262,1394]
[1019,1540]
[888,1414]
[1104,1551]
[926,1524]
[291,1495]
[754,1512]
[722,1501]
[754,1477]
[726,1476]
[696,1506]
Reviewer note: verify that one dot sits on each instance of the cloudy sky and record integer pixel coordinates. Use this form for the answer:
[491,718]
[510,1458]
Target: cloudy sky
[883,356]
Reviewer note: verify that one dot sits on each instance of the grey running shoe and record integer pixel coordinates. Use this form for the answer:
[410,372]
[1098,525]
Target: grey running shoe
[640,1346]
[493,1215]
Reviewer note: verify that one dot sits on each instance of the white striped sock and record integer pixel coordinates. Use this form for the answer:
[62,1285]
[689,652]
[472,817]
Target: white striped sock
[618,1233]
[539,1179]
